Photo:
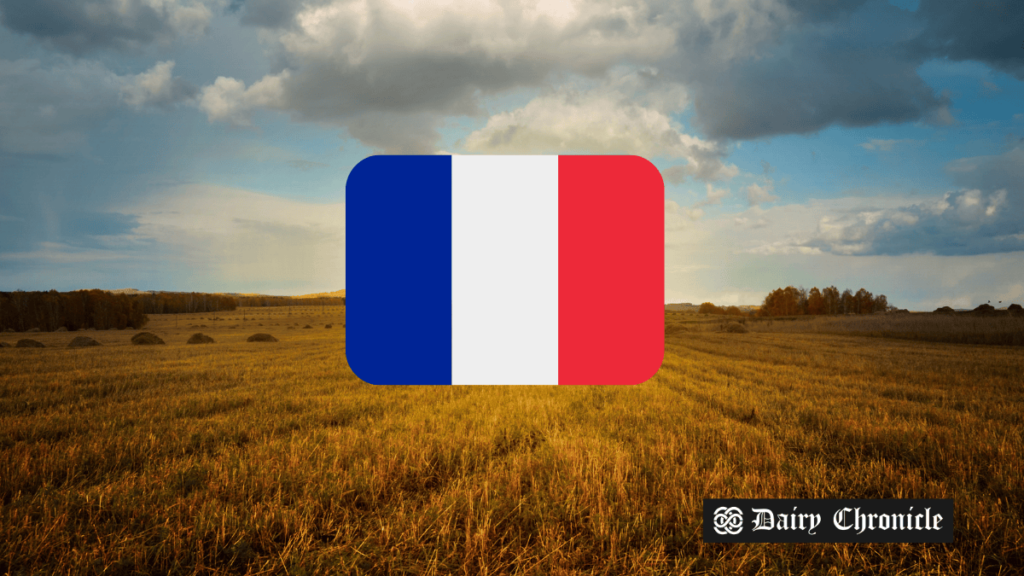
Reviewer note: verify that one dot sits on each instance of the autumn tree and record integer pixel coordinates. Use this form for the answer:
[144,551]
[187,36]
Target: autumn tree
[782,302]
[846,302]
[792,301]
[815,302]
[708,308]
[831,297]
[864,302]
[881,303]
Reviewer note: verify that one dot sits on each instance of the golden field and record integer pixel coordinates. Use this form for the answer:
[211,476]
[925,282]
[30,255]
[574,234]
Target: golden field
[273,458]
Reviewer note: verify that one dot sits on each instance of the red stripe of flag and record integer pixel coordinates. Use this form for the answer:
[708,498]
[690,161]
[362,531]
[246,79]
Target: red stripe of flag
[611,271]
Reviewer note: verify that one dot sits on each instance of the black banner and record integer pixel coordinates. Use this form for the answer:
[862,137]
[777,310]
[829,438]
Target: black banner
[762,520]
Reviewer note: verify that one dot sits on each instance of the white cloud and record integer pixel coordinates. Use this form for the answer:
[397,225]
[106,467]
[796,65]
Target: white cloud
[351,63]
[757,194]
[739,258]
[608,119]
[714,196]
[156,86]
[958,222]
[228,100]
[241,237]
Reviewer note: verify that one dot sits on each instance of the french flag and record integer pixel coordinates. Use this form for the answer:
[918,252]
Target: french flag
[505,269]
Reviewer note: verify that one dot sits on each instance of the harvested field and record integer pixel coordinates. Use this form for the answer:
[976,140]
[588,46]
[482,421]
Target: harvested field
[238,458]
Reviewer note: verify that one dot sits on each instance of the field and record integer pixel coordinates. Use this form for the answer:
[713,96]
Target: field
[272,458]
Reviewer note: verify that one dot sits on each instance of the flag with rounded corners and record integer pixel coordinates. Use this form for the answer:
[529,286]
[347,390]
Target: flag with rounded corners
[505,269]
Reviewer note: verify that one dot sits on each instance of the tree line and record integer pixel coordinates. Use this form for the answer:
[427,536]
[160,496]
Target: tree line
[792,301]
[48,311]
[184,302]
[81,309]
[261,301]
[709,308]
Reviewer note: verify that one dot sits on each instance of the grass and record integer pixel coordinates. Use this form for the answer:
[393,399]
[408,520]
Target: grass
[954,329]
[263,458]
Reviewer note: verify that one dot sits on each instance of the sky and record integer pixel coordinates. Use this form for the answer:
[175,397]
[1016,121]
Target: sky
[204,145]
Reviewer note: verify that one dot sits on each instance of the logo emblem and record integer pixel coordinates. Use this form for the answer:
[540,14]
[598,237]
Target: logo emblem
[728,520]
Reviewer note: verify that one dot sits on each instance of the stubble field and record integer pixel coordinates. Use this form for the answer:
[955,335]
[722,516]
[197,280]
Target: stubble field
[273,458]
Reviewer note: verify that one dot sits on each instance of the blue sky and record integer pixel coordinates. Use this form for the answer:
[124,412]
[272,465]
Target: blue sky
[204,144]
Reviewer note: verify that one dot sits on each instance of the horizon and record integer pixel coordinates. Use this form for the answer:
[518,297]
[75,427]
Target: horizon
[204,145]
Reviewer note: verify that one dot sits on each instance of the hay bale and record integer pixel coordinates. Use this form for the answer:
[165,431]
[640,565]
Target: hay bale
[327,325]
[61,329]
[83,342]
[736,328]
[26,343]
[9,330]
[146,339]
[32,330]
[944,310]
[4,345]
[1015,310]
[984,310]
[200,338]
[306,327]
[261,338]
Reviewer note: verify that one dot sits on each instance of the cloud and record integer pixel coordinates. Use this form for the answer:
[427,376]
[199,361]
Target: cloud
[239,237]
[59,253]
[714,196]
[746,255]
[754,68]
[677,216]
[758,194]
[986,32]
[266,13]
[156,87]
[885,145]
[228,100]
[602,120]
[50,110]
[394,133]
[761,68]
[267,153]
[193,237]
[1004,170]
[990,87]
[968,221]
[358,63]
[79,27]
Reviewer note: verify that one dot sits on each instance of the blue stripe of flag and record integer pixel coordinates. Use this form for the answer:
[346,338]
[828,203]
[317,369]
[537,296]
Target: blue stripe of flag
[398,260]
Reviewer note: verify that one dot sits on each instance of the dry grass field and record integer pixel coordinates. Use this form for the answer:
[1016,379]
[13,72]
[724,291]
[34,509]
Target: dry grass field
[272,458]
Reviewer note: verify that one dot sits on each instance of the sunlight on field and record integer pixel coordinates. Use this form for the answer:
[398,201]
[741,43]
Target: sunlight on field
[255,457]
